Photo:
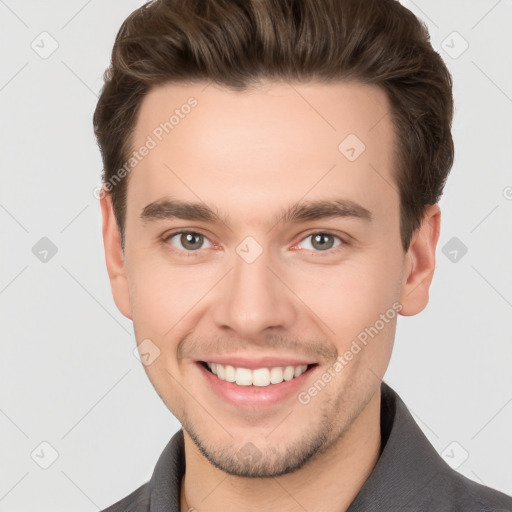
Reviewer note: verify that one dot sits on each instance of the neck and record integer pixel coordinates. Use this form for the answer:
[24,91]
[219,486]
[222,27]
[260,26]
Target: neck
[329,482]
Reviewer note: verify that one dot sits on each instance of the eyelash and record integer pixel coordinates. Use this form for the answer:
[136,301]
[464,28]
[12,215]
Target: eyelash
[196,253]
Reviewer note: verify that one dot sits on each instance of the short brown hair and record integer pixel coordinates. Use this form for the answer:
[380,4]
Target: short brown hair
[237,43]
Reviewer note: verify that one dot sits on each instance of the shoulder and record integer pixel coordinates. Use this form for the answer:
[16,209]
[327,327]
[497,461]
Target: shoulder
[455,492]
[410,471]
[137,501]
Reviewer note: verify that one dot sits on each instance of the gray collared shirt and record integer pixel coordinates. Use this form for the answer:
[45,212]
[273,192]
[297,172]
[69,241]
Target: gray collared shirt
[409,475]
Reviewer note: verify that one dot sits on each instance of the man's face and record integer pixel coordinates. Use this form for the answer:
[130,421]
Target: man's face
[256,290]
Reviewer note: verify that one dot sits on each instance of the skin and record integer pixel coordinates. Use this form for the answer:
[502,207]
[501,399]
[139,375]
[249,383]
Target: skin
[248,155]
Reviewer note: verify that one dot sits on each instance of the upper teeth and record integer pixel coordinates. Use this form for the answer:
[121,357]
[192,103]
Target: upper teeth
[259,377]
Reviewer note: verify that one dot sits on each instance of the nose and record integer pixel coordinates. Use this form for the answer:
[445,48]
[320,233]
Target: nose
[254,298]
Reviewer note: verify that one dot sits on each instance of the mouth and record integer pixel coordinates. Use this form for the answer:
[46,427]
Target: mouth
[258,377]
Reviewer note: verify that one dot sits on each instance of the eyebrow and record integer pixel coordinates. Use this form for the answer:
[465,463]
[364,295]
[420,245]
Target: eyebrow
[167,209]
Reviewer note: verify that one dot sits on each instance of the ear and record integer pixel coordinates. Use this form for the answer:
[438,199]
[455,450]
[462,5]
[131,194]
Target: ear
[114,257]
[420,261]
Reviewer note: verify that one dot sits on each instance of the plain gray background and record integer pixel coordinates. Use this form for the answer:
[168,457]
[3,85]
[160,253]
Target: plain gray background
[69,376]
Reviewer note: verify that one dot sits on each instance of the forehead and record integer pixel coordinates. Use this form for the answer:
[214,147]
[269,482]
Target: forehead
[272,144]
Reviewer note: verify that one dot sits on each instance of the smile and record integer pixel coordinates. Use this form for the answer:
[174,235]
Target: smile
[261,377]
[255,382]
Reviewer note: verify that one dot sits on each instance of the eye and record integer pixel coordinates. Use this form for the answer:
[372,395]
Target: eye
[189,241]
[192,241]
[321,242]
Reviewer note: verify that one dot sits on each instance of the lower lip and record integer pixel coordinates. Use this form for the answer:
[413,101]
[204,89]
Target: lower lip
[256,396]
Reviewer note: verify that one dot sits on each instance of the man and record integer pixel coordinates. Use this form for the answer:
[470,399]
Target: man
[271,179]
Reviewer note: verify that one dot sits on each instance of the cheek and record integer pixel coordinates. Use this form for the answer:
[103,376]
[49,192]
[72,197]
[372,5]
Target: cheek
[347,302]
[163,297]
[167,300]
[152,298]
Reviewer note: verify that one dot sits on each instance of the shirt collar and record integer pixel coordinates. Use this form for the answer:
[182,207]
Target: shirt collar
[408,464]
[406,467]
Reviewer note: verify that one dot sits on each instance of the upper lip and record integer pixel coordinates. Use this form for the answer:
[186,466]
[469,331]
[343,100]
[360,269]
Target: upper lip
[253,363]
